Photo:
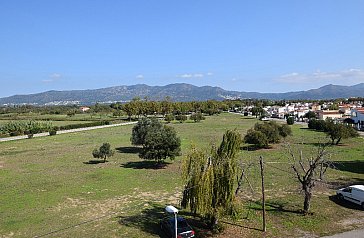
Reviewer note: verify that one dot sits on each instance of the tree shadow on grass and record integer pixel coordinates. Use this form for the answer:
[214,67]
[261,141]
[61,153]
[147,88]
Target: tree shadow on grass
[95,162]
[342,182]
[145,164]
[274,206]
[148,220]
[253,148]
[129,149]
[344,203]
[354,166]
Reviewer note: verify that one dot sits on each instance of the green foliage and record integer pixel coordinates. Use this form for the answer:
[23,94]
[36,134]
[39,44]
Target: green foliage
[285,130]
[141,129]
[209,179]
[267,132]
[103,152]
[168,118]
[290,120]
[310,115]
[82,125]
[159,141]
[25,127]
[181,118]
[256,138]
[196,117]
[160,144]
[339,131]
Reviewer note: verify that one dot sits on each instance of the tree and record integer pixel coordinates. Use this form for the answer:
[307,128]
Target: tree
[181,118]
[309,170]
[141,129]
[285,130]
[257,111]
[310,115]
[290,120]
[209,179]
[160,144]
[168,118]
[256,138]
[103,152]
[339,131]
[159,141]
[196,117]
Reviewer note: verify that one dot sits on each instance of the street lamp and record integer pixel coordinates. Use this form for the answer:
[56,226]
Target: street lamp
[172,209]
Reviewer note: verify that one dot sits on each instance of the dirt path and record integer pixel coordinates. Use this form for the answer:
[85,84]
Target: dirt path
[65,131]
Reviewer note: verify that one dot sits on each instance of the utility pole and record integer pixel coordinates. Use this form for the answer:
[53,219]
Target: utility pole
[263,194]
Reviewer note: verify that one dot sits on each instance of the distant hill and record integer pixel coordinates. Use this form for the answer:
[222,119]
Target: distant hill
[177,92]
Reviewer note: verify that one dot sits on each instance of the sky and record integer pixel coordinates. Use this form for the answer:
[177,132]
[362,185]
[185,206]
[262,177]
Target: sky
[256,45]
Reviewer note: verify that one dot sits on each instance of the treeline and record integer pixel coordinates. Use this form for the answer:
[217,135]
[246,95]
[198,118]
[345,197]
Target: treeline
[16,128]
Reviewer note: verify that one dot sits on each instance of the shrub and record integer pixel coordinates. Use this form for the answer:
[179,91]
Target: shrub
[257,138]
[169,117]
[181,118]
[290,120]
[196,117]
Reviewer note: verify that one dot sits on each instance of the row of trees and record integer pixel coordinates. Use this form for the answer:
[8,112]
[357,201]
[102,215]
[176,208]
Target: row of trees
[336,131]
[14,128]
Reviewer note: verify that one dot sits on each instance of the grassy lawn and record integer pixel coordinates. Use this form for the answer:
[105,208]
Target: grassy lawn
[52,184]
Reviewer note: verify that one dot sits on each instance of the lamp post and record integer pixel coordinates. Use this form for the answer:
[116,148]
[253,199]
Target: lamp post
[172,209]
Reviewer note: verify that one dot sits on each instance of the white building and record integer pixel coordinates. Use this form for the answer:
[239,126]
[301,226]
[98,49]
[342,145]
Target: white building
[357,115]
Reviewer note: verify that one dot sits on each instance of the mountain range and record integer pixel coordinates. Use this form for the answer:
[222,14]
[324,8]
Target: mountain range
[177,92]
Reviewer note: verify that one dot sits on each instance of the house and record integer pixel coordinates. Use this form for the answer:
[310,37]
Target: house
[315,107]
[332,114]
[84,109]
[357,115]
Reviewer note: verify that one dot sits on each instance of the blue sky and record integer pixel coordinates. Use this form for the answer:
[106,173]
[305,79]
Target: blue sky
[265,46]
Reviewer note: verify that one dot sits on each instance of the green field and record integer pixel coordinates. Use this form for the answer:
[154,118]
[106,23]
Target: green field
[51,186]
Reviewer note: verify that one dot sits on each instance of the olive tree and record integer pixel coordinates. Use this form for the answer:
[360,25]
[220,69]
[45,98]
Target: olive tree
[159,141]
[103,152]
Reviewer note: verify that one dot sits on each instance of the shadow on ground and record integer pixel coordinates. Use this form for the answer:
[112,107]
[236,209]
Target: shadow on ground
[354,166]
[145,164]
[129,149]
[345,203]
[95,162]
[148,220]
[344,182]
[274,206]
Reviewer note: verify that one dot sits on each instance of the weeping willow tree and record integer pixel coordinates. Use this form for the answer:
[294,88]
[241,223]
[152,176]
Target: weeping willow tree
[209,179]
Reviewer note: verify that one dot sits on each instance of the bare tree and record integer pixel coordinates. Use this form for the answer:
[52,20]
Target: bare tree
[309,170]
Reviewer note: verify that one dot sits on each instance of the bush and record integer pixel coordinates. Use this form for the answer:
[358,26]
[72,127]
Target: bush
[290,120]
[285,131]
[256,138]
[181,118]
[168,118]
[196,117]
[83,125]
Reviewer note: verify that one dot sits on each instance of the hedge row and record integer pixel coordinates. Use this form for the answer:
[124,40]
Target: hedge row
[83,125]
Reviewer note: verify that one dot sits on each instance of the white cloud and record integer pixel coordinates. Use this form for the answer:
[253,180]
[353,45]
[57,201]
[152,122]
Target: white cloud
[140,76]
[343,77]
[55,76]
[194,75]
[52,77]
